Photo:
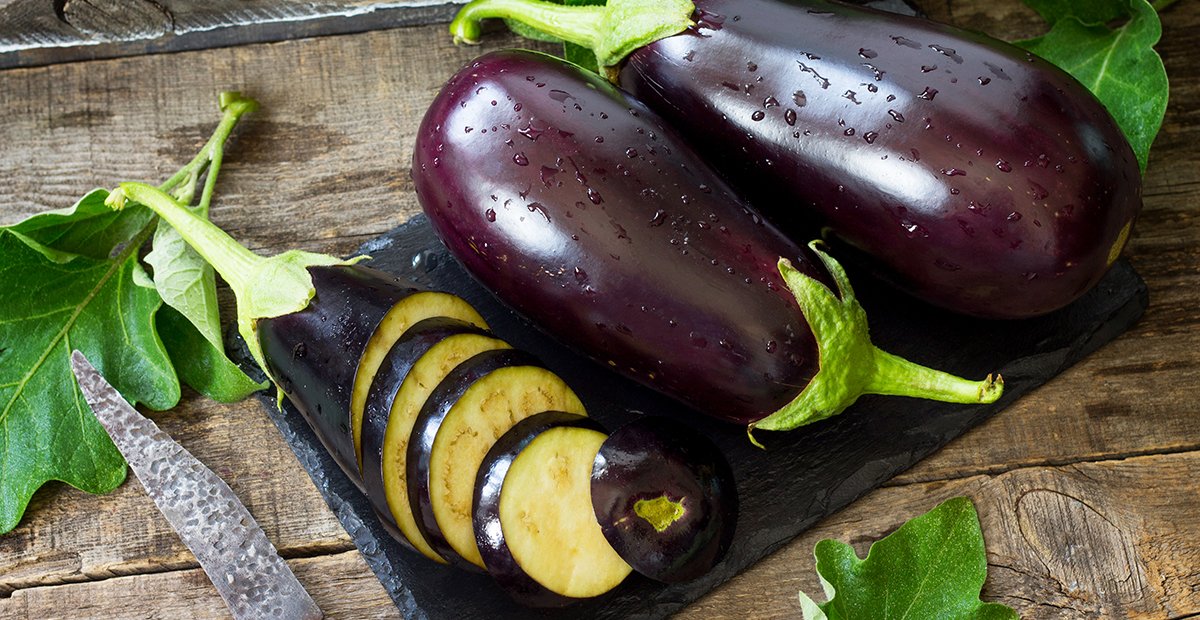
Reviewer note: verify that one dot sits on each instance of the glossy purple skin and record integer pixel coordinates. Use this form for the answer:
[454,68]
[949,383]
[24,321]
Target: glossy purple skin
[313,354]
[581,210]
[656,457]
[976,176]
[489,534]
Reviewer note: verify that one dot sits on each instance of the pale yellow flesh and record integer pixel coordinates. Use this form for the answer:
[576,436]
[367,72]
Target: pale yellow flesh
[547,518]
[412,309]
[425,375]
[487,409]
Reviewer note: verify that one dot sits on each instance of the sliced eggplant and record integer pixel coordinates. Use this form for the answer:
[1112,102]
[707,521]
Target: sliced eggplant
[405,313]
[665,498]
[414,344]
[489,532]
[547,519]
[426,374]
[464,416]
[314,354]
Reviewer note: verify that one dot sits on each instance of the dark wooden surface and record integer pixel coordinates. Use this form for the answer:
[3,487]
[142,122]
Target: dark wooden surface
[1087,488]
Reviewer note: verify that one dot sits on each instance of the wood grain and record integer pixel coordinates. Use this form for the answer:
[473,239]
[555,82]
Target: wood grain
[1095,540]
[1087,488]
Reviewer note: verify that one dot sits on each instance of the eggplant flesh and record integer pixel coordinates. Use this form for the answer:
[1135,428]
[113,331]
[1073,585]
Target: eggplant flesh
[546,515]
[969,172]
[314,354]
[489,531]
[462,418]
[426,374]
[407,312]
[408,350]
[583,211]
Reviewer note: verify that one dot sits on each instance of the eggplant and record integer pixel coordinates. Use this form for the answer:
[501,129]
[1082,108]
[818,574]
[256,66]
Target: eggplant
[489,529]
[665,498]
[314,354]
[415,308]
[437,345]
[579,208]
[471,408]
[542,511]
[967,171]
[418,384]
[325,356]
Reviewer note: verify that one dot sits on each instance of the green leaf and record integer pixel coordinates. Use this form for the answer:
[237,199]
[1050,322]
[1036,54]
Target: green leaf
[88,228]
[102,307]
[1119,65]
[202,366]
[934,566]
[186,282]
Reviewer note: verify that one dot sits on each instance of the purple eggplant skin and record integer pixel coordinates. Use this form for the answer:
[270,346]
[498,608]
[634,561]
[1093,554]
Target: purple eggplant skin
[972,174]
[415,342]
[578,207]
[489,535]
[313,354]
[651,461]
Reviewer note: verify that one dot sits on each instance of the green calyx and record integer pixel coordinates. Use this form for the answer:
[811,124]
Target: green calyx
[849,364]
[612,31]
[263,287]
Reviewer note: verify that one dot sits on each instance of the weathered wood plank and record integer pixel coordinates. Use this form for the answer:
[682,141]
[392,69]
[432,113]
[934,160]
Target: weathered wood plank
[72,536]
[1096,540]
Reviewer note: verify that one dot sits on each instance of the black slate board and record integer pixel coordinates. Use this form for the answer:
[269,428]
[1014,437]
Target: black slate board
[803,475]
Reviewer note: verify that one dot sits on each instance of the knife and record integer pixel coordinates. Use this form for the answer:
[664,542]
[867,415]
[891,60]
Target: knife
[232,549]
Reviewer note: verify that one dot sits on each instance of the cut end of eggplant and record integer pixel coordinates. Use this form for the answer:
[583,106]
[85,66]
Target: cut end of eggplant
[665,499]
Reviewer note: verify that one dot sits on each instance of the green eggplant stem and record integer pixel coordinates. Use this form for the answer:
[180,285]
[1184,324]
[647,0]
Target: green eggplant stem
[612,31]
[850,365]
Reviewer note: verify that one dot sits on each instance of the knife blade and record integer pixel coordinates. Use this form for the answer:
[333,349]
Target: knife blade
[232,549]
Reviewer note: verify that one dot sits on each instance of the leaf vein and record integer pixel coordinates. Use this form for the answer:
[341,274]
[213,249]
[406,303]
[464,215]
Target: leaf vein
[117,264]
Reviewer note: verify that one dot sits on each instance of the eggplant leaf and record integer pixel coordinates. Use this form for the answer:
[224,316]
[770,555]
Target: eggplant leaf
[88,228]
[1118,64]
[185,282]
[200,364]
[106,309]
[932,567]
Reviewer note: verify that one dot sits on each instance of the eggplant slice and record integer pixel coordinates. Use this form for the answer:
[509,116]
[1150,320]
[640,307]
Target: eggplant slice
[411,347]
[314,354]
[547,519]
[461,420]
[665,498]
[426,374]
[489,532]
[405,313]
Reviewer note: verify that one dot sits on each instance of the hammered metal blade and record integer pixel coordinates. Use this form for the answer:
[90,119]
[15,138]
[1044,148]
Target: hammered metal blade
[243,565]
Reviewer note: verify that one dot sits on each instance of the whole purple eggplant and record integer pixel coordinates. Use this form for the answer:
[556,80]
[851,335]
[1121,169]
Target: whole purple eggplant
[972,173]
[583,211]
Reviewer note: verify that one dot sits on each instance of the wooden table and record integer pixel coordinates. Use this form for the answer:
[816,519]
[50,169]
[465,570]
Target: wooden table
[1088,489]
